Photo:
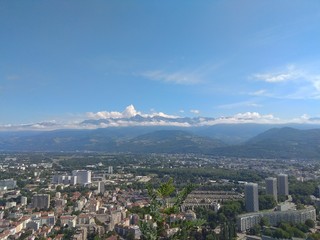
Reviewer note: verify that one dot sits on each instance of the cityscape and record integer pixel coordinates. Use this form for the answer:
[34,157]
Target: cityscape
[106,196]
[159,120]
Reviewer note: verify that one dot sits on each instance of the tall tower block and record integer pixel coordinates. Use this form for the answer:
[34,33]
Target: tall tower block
[251,197]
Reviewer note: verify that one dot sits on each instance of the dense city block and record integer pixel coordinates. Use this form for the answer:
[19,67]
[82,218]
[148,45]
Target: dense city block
[156,196]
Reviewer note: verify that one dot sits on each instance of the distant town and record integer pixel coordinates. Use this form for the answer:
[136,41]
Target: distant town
[122,196]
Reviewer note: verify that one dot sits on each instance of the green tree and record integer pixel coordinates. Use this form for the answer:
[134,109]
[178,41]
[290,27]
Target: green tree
[314,236]
[264,222]
[25,235]
[280,233]
[266,202]
[267,232]
[297,233]
[231,209]
[256,230]
[310,223]
[211,237]
[160,211]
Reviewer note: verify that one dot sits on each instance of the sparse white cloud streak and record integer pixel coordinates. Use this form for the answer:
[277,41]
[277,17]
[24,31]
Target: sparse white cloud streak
[184,78]
[296,83]
[261,92]
[239,104]
[289,74]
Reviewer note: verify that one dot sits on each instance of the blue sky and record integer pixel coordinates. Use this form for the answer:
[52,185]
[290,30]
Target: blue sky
[67,60]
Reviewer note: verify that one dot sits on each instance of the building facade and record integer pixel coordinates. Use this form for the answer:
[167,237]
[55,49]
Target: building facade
[249,220]
[101,188]
[64,179]
[283,187]
[83,176]
[8,184]
[41,201]
[251,197]
[271,187]
[24,200]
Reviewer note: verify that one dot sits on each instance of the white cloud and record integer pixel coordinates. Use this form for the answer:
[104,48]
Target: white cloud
[195,111]
[305,119]
[253,115]
[129,112]
[159,114]
[316,82]
[124,119]
[184,78]
[261,92]
[296,83]
[247,117]
[239,104]
[239,118]
[288,74]
[124,123]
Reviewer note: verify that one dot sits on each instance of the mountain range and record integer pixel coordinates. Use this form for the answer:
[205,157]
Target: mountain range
[233,140]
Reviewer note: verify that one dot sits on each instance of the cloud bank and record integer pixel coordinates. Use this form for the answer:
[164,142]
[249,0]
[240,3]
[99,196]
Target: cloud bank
[131,117]
[129,112]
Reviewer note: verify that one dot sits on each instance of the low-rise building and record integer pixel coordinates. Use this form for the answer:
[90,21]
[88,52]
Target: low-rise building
[8,183]
[41,201]
[247,221]
[68,220]
[81,234]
